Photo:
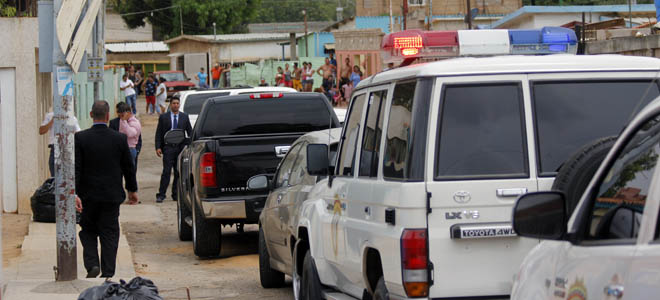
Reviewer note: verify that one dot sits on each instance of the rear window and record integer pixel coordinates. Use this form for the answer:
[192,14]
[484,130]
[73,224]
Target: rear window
[569,115]
[194,102]
[265,116]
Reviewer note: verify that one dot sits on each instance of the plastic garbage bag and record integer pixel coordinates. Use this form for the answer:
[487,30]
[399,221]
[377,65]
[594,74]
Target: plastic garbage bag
[137,289]
[42,203]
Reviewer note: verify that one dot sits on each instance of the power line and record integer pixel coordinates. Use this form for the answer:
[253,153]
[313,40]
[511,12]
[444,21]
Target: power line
[148,11]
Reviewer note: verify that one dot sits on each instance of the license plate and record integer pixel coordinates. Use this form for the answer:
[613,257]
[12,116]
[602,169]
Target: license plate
[480,231]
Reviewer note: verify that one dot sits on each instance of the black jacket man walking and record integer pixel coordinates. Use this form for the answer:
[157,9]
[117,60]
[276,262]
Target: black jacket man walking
[102,159]
[174,119]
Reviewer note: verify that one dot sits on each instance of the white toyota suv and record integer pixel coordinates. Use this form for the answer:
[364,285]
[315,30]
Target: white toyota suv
[610,248]
[432,158]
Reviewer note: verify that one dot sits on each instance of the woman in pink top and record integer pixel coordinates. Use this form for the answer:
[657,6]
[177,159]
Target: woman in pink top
[130,126]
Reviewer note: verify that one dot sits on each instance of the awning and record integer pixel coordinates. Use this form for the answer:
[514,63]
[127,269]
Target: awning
[329,46]
[175,54]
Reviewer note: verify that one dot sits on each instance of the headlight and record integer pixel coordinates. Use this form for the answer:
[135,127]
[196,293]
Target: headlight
[170,88]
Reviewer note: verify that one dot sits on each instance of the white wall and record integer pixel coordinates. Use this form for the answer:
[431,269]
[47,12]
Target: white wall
[21,34]
[8,139]
[252,51]
[117,31]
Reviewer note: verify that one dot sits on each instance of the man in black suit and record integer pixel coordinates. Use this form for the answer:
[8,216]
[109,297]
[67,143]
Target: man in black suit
[114,124]
[102,158]
[174,119]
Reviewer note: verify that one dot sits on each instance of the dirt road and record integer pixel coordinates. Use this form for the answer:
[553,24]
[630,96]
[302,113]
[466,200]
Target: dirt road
[160,256]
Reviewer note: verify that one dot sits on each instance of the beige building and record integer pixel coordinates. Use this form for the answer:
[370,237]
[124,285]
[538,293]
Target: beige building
[117,31]
[150,56]
[24,99]
[439,8]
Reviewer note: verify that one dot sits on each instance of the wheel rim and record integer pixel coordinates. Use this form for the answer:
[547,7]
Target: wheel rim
[295,277]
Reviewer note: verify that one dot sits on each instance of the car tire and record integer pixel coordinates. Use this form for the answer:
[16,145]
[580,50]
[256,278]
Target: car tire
[183,212]
[381,293]
[269,277]
[296,278]
[310,284]
[576,173]
[206,234]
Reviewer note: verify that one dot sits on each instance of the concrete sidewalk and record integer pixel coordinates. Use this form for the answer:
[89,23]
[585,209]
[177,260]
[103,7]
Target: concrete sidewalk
[31,275]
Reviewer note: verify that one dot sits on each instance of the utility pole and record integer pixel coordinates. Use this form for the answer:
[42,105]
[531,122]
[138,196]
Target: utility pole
[469,14]
[304,12]
[391,22]
[181,19]
[214,36]
[67,266]
[405,14]
[98,48]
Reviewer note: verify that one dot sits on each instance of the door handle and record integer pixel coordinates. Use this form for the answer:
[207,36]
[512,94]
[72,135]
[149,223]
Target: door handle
[515,192]
[279,198]
[614,290]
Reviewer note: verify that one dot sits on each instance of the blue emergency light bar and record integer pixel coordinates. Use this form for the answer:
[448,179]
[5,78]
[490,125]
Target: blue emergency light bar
[548,40]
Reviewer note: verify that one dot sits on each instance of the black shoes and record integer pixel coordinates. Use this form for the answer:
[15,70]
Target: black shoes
[94,272]
[159,198]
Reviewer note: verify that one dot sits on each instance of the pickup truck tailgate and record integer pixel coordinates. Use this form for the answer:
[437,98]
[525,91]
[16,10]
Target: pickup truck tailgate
[240,158]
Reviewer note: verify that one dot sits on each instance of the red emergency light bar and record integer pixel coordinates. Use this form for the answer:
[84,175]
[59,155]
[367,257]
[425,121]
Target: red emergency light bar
[414,43]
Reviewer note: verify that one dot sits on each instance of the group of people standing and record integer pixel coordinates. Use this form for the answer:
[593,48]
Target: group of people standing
[302,79]
[155,93]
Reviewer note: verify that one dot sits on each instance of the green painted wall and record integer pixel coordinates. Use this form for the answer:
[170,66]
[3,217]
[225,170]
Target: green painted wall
[83,95]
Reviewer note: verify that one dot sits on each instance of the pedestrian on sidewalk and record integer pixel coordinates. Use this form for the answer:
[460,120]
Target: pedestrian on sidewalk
[47,127]
[114,124]
[150,93]
[102,159]
[161,96]
[201,78]
[174,119]
[128,87]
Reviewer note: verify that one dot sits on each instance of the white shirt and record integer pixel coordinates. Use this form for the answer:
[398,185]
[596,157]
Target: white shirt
[51,132]
[128,85]
[161,98]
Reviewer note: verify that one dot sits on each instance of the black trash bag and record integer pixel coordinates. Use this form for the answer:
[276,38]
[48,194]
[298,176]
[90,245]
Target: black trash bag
[43,203]
[137,289]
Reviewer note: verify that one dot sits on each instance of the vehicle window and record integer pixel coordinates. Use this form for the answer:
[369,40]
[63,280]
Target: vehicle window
[373,130]
[299,169]
[481,132]
[569,115]
[176,76]
[351,130]
[264,116]
[194,102]
[619,203]
[284,171]
[398,131]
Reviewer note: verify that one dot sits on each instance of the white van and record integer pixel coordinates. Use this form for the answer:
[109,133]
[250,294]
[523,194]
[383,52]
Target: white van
[432,159]
[610,248]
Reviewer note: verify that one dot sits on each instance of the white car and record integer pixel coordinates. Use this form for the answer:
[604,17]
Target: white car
[431,160]
[191,101]
[610,247]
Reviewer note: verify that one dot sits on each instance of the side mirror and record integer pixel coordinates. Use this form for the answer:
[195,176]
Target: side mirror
[175,137]
[318,162]
[258,182]
[540,215]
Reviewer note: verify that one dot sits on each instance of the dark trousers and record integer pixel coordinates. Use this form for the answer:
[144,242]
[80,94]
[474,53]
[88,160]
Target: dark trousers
[100,221]
[51,160]
[170,155]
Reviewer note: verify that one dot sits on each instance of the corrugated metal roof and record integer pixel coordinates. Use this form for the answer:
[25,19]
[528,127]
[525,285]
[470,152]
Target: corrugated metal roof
[298,27]
[573,9]
[137,47]
[242,37]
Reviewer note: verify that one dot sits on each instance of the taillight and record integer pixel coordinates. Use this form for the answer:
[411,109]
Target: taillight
[207,170]
[265,95]
[414,260]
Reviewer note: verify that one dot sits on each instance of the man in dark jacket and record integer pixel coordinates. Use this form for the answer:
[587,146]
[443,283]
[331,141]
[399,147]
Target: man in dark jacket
[174,119]
[102,159]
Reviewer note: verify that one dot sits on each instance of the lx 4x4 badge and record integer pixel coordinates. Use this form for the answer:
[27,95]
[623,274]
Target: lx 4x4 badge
[466,214]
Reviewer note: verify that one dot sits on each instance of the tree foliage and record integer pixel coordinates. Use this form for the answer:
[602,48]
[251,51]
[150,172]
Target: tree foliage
[7,10]
[230,16]
[272,11]
[198,15]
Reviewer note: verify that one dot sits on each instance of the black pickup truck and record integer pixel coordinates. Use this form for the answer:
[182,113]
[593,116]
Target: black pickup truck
[235,138]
